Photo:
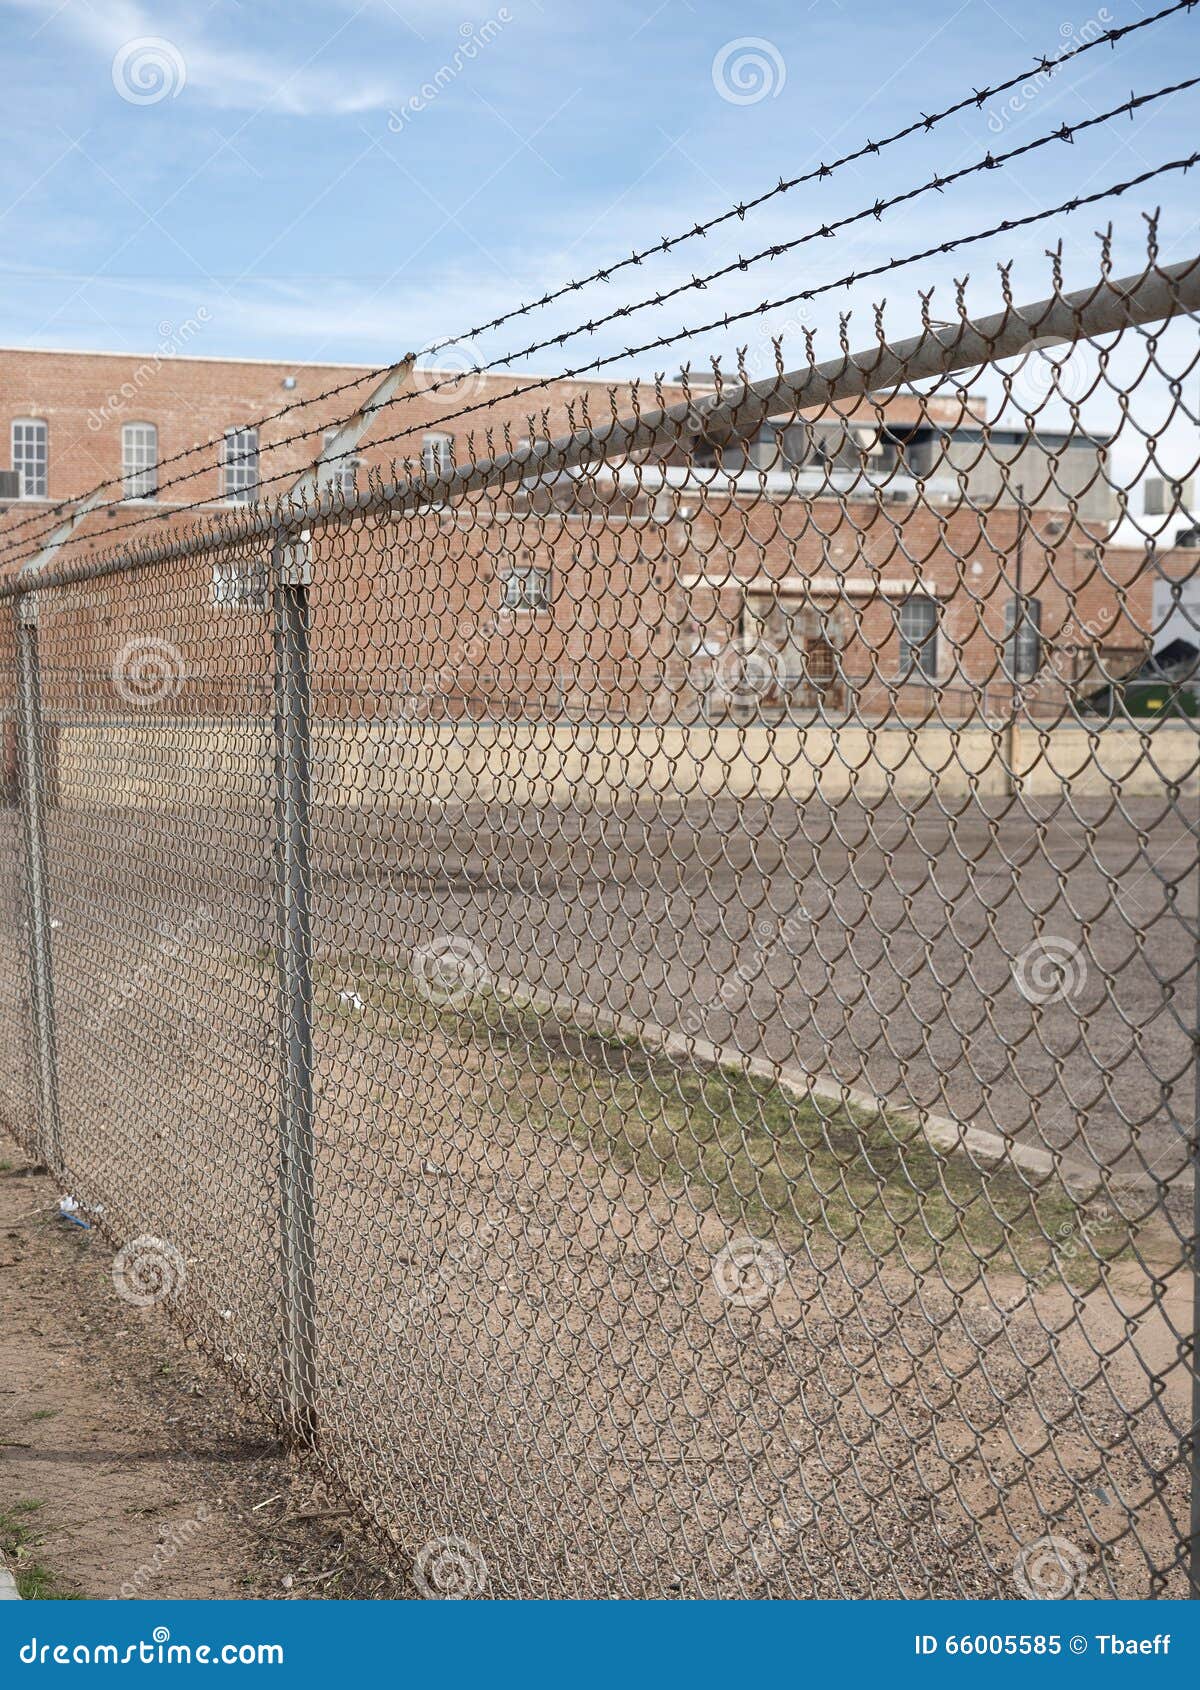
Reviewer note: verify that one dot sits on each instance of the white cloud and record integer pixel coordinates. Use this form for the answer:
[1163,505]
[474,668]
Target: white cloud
[226,74]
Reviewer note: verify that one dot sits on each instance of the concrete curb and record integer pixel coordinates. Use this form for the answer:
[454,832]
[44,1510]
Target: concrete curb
[1081,1179]
[8,1586]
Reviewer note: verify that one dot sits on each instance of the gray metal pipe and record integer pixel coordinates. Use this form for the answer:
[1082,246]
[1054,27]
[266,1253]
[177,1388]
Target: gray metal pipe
[293,882]
[1155,295]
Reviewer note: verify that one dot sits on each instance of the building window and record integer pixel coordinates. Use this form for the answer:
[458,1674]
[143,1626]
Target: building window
[239,585]
[919,637]
[31,456]
[1022,639]
[437,454]
[526,587]
[139,460]
[341,475]
[239,463]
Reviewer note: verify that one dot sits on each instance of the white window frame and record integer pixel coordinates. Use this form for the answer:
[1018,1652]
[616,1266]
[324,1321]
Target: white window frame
[239,465]
[1022,639]
[340,476]
[139,460]
[31,456]
[919,649]
[528,587]
[239,585]
[437,454]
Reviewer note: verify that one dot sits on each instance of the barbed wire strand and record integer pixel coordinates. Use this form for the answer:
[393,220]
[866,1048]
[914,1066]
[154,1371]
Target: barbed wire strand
[925,123]
[1064,133]
[725,321]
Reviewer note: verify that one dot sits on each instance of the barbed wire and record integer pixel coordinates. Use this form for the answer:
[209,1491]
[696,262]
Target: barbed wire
[725,321]
[925,123]
[1064,133]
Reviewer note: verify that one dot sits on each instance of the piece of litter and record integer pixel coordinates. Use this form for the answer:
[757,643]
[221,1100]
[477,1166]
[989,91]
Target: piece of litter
[351,999]
[68,1211]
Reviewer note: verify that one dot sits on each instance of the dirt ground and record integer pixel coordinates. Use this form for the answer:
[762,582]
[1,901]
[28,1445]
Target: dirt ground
[522,1341]
[128,1466]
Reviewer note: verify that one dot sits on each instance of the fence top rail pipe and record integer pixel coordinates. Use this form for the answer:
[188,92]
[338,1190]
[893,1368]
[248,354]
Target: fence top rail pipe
[1154,295]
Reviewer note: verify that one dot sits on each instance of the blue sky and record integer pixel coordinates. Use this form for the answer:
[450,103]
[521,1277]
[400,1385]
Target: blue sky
[277,165]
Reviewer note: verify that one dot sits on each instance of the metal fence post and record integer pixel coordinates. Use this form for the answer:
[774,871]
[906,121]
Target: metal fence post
[290,578]
[33,820]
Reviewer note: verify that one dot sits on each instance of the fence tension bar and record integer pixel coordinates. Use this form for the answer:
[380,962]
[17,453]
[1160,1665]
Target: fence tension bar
[291,579]
[33,801]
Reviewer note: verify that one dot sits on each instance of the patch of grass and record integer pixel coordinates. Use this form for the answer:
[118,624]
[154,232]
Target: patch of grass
[19,1543]
[45,1413]
[806,1171]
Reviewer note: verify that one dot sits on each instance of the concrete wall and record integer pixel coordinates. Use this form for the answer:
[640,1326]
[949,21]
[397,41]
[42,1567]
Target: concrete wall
[229,763]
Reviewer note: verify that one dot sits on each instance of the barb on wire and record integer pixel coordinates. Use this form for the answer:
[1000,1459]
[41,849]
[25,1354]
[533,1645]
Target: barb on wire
[924,124]
[726,320]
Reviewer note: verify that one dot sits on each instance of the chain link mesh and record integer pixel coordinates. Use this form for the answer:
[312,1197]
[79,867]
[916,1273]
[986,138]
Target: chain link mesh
[641,995]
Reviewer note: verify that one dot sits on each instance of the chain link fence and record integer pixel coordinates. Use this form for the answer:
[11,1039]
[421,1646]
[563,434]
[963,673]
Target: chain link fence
[640,991]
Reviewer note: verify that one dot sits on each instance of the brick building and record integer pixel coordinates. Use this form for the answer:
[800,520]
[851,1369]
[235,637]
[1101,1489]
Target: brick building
[899,554]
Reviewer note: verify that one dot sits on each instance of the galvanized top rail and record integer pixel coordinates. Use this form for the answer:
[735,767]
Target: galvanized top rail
[1154,295]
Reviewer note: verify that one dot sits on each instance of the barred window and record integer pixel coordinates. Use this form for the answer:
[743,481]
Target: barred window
[341,475]
[139,460]
[437,454]
[1022,639]
[31,456]
[526,587]
[919,637]
[239,586]
[239,463]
